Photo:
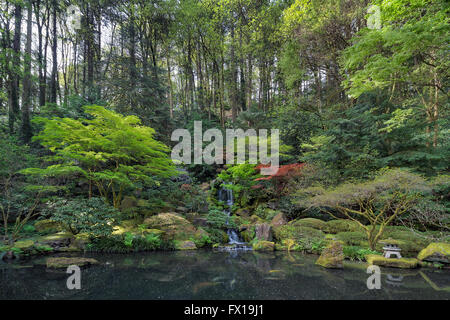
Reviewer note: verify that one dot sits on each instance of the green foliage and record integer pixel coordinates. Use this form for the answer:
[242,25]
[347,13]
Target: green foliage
[92,216]
[108,150]
[128,242]
[352,238]
[128,239]
[216,218]
[357,253]
[203,241]
[242,178]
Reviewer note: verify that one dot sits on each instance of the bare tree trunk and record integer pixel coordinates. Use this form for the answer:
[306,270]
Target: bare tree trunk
[14,78]
[54,82]
[26,99]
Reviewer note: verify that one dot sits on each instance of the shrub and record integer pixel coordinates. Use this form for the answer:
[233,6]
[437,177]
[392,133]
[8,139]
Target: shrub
[92,216]
[357,253]
[305,237]
[378,202]
[352,238]
[345,225]
[311,222]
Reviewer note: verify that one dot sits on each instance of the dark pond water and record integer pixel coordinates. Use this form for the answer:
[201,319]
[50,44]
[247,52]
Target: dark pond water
[217,275]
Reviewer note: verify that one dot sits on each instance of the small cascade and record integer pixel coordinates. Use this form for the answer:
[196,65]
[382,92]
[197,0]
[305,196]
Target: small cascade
[226,195]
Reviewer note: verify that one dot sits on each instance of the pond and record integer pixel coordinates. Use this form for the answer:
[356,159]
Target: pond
[208,274]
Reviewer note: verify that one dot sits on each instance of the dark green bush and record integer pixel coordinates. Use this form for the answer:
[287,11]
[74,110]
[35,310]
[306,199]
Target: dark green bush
[92,216]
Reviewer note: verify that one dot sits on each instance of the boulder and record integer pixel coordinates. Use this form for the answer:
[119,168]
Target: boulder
[186,245]
[263,245]
[64,262]
[263,231]
[57,240]
[242,212]
[436,252]
[24,245]
[332,256]
[174,226]
[404,263]
[279,220]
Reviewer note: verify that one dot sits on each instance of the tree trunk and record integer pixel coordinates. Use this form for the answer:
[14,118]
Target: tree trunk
[14,78]
[26,99]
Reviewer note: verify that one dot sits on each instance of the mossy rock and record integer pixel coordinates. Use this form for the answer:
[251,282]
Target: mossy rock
[24,245]
[174,226]
[185,245]
[47,225]
[60,236]
[436,252]
[344,225]
[332,256]
[311,223]
[279,220]
[404,263]
[64,262]
[254,219]
[263,245]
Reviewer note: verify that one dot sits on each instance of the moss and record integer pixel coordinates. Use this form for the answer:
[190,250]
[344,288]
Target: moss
[185,245]
[337,226]
[332,256]
[404,263]
[413,242]
[47,225]
[311,223]
[297,232]
[353,238]
[263,245]
[57,236]
[174,226]
[24,244]
[436,252]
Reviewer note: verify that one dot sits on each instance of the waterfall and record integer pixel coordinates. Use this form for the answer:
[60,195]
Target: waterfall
[226,195]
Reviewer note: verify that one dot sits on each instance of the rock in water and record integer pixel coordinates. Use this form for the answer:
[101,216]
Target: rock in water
[436,252]
[404,263]
[263,246]
[64,262]
[186,245]
[332,256]
[263,232]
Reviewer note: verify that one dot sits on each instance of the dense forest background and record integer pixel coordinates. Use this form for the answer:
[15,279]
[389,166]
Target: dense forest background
[353,98]
[352,90]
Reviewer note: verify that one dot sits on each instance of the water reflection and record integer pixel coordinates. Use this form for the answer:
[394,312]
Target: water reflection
[217,275]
